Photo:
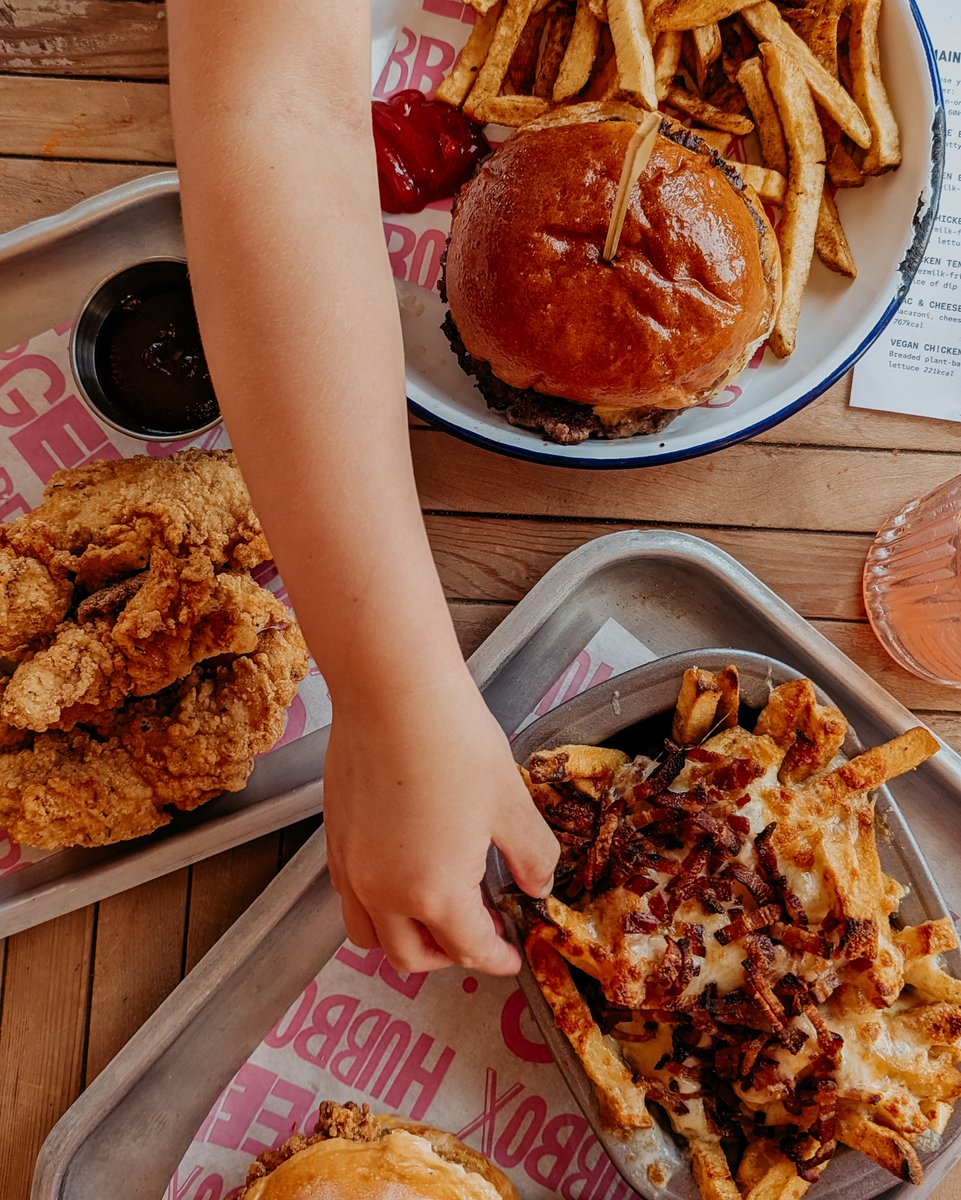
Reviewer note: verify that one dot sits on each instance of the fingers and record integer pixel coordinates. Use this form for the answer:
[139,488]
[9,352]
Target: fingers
[472,937]
[410,946]
[360,928]
[529,848]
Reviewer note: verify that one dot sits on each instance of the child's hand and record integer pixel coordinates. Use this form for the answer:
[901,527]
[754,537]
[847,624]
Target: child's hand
[416,790]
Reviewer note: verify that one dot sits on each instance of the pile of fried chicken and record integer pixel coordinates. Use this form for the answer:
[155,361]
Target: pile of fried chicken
[142,668]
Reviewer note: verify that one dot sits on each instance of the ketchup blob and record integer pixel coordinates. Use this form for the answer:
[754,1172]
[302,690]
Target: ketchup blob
[425,150]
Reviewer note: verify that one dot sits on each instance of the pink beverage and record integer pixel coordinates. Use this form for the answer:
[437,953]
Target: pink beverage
[912,585]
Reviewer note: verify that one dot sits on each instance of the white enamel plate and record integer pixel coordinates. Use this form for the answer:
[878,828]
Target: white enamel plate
[888,222]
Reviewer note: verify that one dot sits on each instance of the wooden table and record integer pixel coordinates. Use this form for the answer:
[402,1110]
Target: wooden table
[85,106]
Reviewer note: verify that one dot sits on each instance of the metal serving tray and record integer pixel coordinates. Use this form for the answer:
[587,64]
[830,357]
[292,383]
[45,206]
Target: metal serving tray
[46,269]
[673,591]
[638,698]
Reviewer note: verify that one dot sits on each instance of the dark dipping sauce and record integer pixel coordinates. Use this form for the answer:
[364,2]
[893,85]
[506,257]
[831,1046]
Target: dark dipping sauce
[149,371]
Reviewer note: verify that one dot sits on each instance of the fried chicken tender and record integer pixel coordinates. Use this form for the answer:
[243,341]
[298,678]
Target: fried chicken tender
[178,749]
[171,617]
[33,602]
[103,521]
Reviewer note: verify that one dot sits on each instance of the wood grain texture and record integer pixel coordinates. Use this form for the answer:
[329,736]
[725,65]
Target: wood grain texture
[31,188]
[495,558]
[222,887]
[830,421]
[85,119]
[138,962]
[122,38]
[751,485]
[42,1038]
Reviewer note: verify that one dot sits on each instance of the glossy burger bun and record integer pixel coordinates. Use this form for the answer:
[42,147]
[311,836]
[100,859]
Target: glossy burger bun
[693,292]
[367,1157]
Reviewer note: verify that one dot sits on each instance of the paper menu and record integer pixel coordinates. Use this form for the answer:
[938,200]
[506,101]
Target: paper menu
[915,365]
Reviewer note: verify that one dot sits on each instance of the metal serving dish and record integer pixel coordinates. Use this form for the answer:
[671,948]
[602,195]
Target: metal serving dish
[672,591]
[644,697]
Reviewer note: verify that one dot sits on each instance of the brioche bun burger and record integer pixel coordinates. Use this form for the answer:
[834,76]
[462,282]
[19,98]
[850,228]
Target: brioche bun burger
[354,1155]
[563,342]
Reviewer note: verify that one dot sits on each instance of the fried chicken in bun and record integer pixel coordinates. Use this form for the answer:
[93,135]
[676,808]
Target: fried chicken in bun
[561,340]
[354,1155]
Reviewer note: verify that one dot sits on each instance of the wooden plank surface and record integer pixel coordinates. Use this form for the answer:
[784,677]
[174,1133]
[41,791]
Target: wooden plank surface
[84,108]
[32,188]
[752,485]
[84,118]
[121,38]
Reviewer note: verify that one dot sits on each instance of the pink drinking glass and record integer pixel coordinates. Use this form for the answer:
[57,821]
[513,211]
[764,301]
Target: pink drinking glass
[912,585]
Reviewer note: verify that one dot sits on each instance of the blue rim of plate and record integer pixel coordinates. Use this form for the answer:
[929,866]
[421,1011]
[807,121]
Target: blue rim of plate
[908,269]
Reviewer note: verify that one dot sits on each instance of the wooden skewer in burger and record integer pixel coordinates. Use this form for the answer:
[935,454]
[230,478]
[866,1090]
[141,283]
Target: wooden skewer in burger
[576,329]
[639,150]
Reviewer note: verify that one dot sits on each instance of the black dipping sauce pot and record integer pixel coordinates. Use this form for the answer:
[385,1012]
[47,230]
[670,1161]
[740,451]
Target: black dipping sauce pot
[137,357]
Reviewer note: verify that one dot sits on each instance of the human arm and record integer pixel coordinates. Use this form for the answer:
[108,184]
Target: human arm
[299,319]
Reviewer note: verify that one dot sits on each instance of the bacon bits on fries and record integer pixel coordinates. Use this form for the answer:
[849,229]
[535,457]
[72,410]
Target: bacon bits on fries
[709,63]
[722,942]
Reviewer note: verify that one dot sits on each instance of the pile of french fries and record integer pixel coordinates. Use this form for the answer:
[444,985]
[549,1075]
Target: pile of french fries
[749,972]
[796,87]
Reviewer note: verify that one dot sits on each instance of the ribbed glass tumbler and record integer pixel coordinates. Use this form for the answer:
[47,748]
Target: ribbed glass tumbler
[912,585]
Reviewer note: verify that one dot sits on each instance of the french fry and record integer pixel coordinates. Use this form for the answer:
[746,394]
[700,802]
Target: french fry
[599,9]
[794,718]
[717,139]
[830,240]
[751,80]
[560,22]
[769,185]
[705,112]
[507,33]
[729,700]
[506,110]
[706,47]
[603,81]
[802,200]
[482,7]
[692,14]
[782,1182]
[931,937]
[633,51]
[667,60]
[711,1172]
[575,68]
[696,709]
[620,1097]
[843,170]
[564,763]
[823,35]
[869,91]
[875,767]
[766,23]
[885,1147]
[453,90]
[932,982]
[519,79]
[766,1173]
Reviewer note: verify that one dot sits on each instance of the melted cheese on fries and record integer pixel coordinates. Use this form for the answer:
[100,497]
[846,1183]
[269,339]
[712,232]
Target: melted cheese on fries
[729,902]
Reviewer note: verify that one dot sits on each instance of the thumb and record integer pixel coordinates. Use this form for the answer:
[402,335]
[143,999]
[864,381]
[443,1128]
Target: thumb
[529,847]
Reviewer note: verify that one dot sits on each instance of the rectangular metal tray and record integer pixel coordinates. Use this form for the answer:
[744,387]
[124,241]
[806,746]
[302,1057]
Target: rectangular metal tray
[46,269]
[674,592]
[638,698]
